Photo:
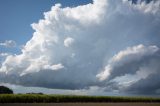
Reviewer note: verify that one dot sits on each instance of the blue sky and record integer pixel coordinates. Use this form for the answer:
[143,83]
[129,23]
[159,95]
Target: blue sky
[17,16]
[104,47]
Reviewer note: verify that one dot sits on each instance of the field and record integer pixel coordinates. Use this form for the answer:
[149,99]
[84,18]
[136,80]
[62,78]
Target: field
[82,104]
[39,98]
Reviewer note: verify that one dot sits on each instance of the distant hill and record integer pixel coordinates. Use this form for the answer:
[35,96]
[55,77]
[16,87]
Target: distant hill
[5,90]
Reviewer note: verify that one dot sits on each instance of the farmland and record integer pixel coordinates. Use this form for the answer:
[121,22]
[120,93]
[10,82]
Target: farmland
[40,98]
[82,104]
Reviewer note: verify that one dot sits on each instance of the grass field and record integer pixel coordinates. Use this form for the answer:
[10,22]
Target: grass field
[38,98]
[81,104]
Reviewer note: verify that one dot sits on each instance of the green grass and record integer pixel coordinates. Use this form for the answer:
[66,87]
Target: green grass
[37,98]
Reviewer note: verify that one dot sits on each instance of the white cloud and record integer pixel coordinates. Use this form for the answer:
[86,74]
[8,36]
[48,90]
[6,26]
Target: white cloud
[8,43]
[54,67]
[96,32]
[3,54]
[68,42]
[152,7]
[135,52]
[123,57]
[129,67]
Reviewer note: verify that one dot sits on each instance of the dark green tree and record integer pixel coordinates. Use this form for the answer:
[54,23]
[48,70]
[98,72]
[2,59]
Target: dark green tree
[5,90]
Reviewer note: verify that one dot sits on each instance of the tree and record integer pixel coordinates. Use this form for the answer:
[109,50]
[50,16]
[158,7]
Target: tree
[5,90]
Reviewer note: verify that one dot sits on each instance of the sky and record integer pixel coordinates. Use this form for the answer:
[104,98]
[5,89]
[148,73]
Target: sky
[17,16]
[83,47]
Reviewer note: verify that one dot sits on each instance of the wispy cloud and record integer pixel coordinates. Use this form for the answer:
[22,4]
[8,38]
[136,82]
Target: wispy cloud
[8,43]
[4,54]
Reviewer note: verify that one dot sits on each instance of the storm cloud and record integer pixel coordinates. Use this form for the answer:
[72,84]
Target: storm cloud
[133,70]
[85,46]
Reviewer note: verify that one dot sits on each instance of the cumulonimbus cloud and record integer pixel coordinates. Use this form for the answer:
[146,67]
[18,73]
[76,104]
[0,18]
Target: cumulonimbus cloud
[71,46]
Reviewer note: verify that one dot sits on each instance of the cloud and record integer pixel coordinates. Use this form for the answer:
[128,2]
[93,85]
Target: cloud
[71,46]
[3,54]
[21,89]
[68,42]
[8,43]
[124,57]
[132,70]
[54,67]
